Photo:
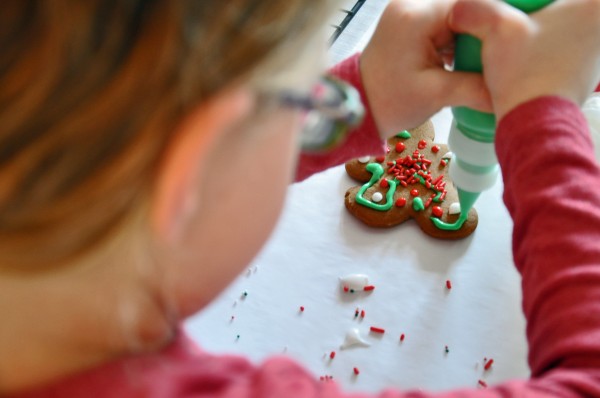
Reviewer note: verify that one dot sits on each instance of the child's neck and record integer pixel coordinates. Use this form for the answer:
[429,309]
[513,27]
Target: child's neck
[60,323]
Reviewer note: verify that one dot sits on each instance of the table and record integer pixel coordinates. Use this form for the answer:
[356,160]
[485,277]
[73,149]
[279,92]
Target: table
[447,332]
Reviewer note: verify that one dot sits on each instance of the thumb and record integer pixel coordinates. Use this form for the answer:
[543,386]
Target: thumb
[481,17]
[462,89]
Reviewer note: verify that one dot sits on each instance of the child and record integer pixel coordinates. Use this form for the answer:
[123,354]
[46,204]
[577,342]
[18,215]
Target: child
[125,124]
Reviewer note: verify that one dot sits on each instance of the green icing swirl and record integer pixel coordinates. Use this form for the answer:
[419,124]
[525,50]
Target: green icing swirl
[455,226]
[377,171]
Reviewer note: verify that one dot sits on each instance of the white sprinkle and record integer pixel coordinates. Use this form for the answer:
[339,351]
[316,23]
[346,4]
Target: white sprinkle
[454,208]
[377,197]
[364,159]
[354,281]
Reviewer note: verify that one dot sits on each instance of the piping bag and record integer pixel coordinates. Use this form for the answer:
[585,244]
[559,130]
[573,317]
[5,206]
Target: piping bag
[474,166]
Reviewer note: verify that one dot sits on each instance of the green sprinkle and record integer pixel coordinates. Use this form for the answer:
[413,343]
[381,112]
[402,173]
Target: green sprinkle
[403,134]
[418,204]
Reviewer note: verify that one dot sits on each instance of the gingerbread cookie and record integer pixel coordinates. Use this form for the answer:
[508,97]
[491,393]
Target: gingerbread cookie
[410,181]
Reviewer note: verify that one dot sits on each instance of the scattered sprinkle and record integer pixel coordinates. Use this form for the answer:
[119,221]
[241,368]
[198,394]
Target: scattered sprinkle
[377,330]
[446,350]
[488,364]
[301,308]
[356,371]
[332,355]
[482,383]
[448,284]
[368,288]
[402,336]
[362,313]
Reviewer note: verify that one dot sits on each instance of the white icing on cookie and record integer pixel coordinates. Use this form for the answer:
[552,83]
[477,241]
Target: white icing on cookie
[454,208]
[448,155]
[353,338]
[364,159]
[377,197]
[354,281]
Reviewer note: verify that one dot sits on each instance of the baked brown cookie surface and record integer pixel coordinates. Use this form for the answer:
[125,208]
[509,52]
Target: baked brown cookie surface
[410,181]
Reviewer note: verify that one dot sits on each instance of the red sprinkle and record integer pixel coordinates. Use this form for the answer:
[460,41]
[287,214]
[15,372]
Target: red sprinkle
[362,313]
[332,354]
[402,337]
[428,202]
[380,159]
[356,371]
[488,364]
[443,163]
[448,284]
[414,192]
[437,211]
[400,202]
[384,183]
[301,308]
[482,383]
[377,330]
[400,147]
[435,149]
[346,289]
[422,144]
[368,288]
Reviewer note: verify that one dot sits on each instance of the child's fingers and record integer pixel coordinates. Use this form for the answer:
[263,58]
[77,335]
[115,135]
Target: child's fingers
[461,89]
[480,18]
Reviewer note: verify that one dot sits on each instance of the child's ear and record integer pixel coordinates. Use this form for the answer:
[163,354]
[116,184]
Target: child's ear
[185,160]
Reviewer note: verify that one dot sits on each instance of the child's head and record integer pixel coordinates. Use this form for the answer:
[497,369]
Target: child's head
[133,137]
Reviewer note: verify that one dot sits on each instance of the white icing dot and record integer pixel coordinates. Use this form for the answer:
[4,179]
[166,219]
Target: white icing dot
[354,281]
[364,159]
[377,197]
[353,338]
[447,155]
[454,208]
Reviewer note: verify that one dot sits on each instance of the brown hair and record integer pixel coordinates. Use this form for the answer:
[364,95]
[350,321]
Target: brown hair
[90,92]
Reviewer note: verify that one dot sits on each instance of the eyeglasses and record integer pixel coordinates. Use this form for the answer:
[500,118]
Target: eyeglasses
[332,108]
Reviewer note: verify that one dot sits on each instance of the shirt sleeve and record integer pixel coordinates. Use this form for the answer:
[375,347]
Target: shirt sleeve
[361,141]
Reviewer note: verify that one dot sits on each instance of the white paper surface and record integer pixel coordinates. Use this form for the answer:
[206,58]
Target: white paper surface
[317,241]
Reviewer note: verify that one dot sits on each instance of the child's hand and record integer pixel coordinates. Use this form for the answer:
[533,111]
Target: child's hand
[555,52]
[403,67]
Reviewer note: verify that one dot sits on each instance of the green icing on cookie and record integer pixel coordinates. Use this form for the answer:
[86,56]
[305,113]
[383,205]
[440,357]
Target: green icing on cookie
[377,171]
[418,204]
[403,134]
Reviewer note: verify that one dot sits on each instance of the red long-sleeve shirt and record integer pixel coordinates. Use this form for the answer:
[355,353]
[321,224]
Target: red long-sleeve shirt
[552,191]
